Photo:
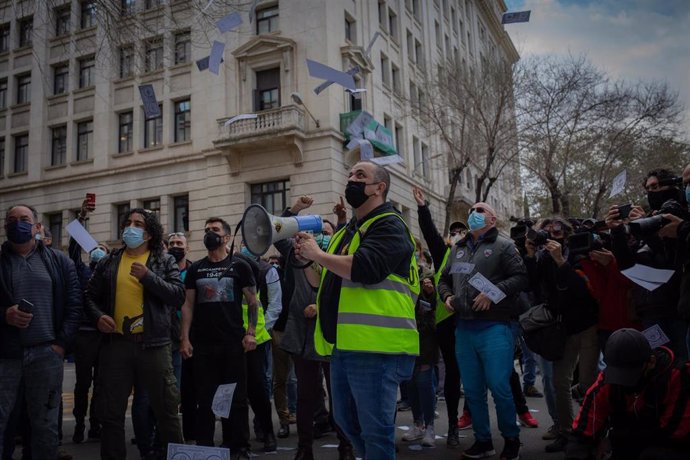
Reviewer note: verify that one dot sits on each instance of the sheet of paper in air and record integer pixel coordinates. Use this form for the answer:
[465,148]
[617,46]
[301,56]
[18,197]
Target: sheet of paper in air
[216,57]
[222,400]
[356,128]
[618,183]
[366,150]
[242,116]
[351,71]
[357,94]
[516,16]
[318,70]
[189,452]
[371,43]
[148,98]
[382,136]
[485,286]
[202,64]
[655,336]
[461,267]
[229,22]
[81,236]
[387,159]
[645,273]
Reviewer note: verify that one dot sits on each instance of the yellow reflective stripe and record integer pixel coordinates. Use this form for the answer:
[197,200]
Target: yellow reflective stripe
[262,335]
[377,320]
[442,312]
[386,285]
[356,337]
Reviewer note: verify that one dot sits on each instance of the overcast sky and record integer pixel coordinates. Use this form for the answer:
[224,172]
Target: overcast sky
[630,39]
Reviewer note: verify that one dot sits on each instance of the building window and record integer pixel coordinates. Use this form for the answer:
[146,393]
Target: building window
[416,155]
[55,228]
[2,156]
[437,34]
[453,20]
[125,132]
[416,10]
[21,153]
[267,93]
[393,24]
[84,139]
[418,53]
[271,195]
[382,14]
[414,98]
[58,152]
[426,167]
[60,78]
[26,27]
[183,47]
[3,93]
[126,61]
[267,20]
[385,70]
[355,102]
[121,211]
[86,72]
[350,31]
[154,206]
[4,37]
[183,121]
[181,213]
[400,140]
[410,47]
[62,21]
[24,89]
[127,7]
[395,77]
[154,54]
[469,179]
[153,130]
[88,14]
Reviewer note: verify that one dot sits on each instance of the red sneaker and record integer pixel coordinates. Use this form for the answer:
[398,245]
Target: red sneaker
[465,421]
[528,421]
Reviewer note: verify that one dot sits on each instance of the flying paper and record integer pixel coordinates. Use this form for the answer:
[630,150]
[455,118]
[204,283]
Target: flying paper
[618,184]
[148,98]
[516,16]
[352,71]
[216,57]
[229,22]
[242,116]
[371,43]
[318,70]
[202,64]
[81,236]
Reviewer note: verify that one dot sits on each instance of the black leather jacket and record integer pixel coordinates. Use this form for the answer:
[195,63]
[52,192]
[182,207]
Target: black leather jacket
[163,292]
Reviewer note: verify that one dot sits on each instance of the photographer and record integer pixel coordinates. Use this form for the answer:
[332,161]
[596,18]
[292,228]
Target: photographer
[640,242]
[557,279]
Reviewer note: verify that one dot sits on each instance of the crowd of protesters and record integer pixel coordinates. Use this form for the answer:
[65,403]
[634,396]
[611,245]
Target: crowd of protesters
[368,320]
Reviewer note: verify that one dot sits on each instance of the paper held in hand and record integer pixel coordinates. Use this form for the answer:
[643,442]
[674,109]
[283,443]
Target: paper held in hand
[489,289]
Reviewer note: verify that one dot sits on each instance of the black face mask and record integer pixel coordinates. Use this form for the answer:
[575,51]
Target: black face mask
[212,241]
[355,194]
[657,199]
[177,253]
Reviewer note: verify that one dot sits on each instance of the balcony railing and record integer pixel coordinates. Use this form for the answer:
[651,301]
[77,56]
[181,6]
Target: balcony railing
[269,122]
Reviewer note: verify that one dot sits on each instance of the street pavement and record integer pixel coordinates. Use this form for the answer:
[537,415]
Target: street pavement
[324,448]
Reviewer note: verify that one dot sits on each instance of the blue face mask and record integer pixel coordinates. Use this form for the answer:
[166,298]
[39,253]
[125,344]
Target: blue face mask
[19,232]
[97,254]
[687,193]
[476,221]
[133,237]
[323,240]
[245,252]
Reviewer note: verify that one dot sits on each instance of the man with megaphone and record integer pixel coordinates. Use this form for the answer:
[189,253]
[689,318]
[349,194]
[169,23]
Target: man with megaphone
[366,311]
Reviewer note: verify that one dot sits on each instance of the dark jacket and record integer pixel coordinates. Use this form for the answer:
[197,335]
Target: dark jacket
[425,315]
[84,273]
[67,300]
[499,261]
[434,241]
[163,291]
[684,266]
[564,289]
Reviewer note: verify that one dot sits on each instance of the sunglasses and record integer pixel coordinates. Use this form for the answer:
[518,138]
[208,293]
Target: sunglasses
[477,209]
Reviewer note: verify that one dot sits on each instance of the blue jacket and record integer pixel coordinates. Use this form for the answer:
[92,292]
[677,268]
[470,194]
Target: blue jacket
[67,300]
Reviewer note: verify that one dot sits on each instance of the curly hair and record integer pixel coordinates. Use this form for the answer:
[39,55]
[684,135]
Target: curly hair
[153,228]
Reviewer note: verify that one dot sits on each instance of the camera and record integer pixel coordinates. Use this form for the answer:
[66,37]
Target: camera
[583,242]
[648,226]
[538,237]
[671,182]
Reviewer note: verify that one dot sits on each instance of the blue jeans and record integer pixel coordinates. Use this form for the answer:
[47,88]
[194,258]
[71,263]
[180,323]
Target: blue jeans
[292,390]
[421,395]
[485,357]
[365,389]
[177,366]
[549,391]
[529,364]
[40,373]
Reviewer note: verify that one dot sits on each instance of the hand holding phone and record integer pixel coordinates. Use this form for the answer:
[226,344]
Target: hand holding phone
[90,201]
[18,316]
[624,210]
[25,306]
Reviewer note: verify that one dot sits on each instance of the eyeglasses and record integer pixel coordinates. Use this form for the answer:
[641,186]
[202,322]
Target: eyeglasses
[477,209]
[170,235]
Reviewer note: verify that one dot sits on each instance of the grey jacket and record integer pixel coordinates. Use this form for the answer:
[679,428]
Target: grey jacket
[499,261]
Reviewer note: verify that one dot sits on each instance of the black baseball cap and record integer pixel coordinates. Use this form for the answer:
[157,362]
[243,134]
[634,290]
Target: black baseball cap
[457,226]
[627,351]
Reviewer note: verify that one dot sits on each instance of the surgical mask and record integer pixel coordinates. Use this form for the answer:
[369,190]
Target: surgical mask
[323,240]
[212,241]
[658,198]
[19,232]
[355,194]
[177,253]
[246,252]
[133,237]
[455,238]
[476,221]
[97,254]
[687,194]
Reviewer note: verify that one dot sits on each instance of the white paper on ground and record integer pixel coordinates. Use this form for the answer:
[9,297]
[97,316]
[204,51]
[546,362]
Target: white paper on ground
[483,285]
[618,184]
[81,236]
[242,116]
[187,451]
[318,70]
[655,336]
[222,400]
[649,274]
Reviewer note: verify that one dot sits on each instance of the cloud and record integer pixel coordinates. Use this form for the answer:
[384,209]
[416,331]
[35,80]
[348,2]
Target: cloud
[633,40]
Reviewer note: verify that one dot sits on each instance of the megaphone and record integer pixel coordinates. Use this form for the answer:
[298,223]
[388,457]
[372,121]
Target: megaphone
[260,229]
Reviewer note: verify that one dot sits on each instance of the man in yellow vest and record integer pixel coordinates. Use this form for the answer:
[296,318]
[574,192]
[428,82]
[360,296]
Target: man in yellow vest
[366,318]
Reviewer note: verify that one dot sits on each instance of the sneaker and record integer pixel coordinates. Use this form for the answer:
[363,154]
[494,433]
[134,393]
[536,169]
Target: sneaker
[284,431]
[292,419]
[403,406]
[465,421]
[558,445]
[480,449]
[453,438]
[511,450]
[527,420]
[551,433]
[531,392]
[429,439]
[414,434]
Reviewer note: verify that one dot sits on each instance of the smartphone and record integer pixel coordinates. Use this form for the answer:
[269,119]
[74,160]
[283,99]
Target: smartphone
[91,200]
[624,210]
[25,306]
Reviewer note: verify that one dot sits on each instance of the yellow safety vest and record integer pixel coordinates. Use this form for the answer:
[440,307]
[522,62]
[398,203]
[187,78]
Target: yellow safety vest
[262,335]
[374,318]
[442,312]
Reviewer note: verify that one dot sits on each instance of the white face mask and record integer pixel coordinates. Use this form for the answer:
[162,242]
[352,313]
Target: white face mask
[455,238]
